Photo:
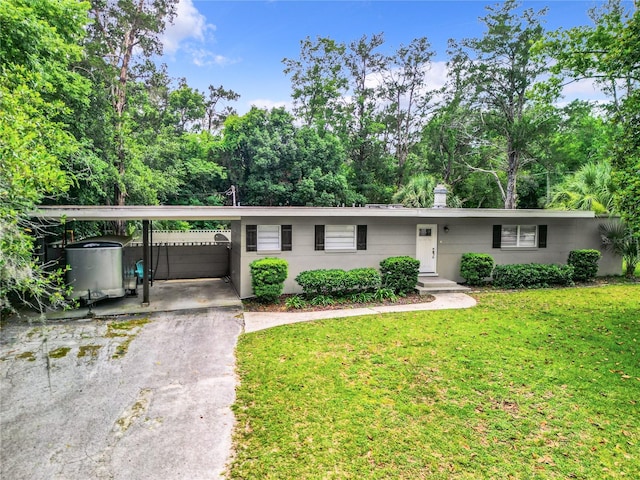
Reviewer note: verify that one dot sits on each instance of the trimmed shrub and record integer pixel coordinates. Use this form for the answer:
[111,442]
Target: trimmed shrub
[400,274]
[267,278]
[362,280]
[585,264]
[322,282]
[337,282]
[532,275]
[476,267]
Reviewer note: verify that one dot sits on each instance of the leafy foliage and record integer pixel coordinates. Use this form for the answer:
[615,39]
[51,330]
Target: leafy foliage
[36,83]
[500,70]
[295,302]
[267,278]
[338,282]
[475,268]
[584,263]
[619,238]
[609,53]
[590,188]
[273,162]
[532,275]
[400,274]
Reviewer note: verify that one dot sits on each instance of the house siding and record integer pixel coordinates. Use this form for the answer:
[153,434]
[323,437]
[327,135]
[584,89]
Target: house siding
[387,237]
[235,257]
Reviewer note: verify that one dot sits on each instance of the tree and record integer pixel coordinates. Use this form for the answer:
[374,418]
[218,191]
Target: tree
[38,43]
[590,188]
[122,36]
[619,238]
[418,192]
[375,103]
[215,117]
[404,87]
[319,83]
[609,52]
[272,162]
[501,69]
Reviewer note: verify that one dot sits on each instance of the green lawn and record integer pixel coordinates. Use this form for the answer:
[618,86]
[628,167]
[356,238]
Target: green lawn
[534,384]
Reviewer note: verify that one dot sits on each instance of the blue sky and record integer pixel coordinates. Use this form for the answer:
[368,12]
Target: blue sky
[240,44]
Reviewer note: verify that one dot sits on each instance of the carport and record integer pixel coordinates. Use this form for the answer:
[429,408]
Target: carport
[147,215]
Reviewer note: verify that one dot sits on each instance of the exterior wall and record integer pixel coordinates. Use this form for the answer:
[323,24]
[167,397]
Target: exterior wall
[181,262]
[563,235]
[235,260]
[386,237]
[390,236]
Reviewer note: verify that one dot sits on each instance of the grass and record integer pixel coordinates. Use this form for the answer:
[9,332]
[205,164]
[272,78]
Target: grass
[535,384]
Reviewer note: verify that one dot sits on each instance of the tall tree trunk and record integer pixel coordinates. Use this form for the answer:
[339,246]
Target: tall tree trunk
[511,195]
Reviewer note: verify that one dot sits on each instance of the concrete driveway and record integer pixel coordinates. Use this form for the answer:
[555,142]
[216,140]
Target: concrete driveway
[129,397]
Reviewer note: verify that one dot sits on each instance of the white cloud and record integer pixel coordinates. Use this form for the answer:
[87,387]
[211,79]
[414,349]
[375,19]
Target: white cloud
[269,104]
[188,24]
[437,75]
[203,58]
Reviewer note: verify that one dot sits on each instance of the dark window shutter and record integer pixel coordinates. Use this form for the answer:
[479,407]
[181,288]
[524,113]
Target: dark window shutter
[286,237]
[497,236]
[252,238]
[361,242]
[542,236]
[319,237]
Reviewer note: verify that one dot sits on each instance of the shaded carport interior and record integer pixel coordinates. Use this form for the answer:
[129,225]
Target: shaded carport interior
[145,214]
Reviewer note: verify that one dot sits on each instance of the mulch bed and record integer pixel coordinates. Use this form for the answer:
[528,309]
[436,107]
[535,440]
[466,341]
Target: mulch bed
[252,305]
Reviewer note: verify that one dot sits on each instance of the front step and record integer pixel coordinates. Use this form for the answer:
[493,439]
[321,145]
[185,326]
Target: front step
[433,284]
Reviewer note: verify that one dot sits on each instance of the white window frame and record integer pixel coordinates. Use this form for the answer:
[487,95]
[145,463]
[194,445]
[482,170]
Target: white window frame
[340,237]
[522,239]
[269,238]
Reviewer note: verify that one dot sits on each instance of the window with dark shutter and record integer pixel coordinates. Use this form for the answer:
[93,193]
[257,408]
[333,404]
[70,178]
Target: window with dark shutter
[362,237]
[542,236]
[497,236]
[319,237]
[287,237]
[252,238]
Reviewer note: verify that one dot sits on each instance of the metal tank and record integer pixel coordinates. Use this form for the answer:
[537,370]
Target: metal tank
[97,268]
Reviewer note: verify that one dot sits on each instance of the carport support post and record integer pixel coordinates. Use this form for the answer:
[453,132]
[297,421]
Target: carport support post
[145,262]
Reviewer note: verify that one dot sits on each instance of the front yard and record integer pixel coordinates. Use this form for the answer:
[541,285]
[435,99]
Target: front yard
[535,384]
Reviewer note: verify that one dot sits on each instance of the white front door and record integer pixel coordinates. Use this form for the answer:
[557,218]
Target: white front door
[427,247]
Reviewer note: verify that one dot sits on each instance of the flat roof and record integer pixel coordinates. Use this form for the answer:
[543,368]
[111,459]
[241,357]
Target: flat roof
[176,212]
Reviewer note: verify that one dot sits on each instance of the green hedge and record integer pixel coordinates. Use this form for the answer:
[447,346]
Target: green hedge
[267,278]
[338,282]
[362,280]
[400,274]
[585,264]
[476,267]
[532,275]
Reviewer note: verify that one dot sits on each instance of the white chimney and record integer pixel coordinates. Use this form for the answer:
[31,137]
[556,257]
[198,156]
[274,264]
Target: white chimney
[440,196]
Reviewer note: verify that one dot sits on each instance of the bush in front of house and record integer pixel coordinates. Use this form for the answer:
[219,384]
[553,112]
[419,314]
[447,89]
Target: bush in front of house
[321,281]
[532,275]
[400,274]
[585,264]
[476,267]
[362,280]
[267,278]
[337,282]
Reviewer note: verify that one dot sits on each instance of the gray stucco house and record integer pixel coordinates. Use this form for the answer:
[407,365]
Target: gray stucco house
[334,237]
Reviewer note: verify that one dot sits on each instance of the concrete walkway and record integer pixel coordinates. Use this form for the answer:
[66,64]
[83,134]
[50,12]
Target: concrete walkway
[254,321]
